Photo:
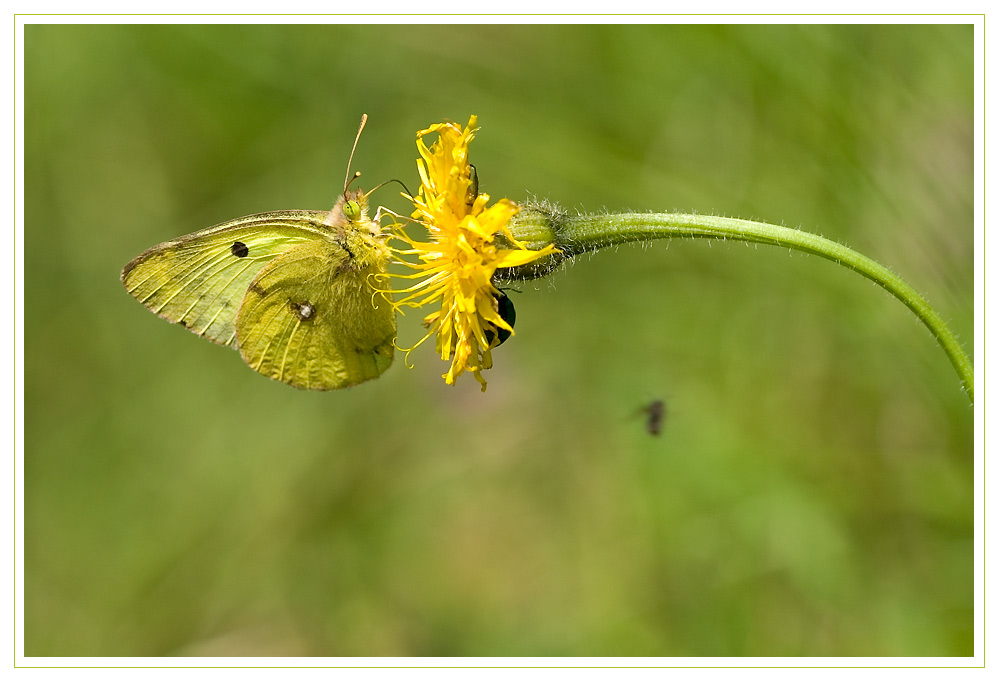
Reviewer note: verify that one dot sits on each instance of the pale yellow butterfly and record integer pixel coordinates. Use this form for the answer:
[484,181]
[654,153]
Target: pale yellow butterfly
[291,290]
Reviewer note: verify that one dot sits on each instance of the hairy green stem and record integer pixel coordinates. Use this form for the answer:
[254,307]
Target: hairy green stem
[537,225]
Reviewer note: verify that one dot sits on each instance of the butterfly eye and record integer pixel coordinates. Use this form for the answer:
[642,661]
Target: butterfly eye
[352,210]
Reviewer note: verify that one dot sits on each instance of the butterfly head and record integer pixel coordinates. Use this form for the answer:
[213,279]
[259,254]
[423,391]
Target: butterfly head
[353,206]
[351,212]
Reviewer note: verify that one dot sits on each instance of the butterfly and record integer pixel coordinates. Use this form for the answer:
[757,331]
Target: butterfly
[292,291]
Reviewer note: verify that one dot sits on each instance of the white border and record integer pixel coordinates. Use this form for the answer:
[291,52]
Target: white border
[781,665]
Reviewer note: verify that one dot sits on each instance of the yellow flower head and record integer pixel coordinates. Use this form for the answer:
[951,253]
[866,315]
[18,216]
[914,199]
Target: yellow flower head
[457,263]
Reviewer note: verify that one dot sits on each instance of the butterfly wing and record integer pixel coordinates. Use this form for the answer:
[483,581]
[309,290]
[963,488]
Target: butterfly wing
[199,280]
[308,318]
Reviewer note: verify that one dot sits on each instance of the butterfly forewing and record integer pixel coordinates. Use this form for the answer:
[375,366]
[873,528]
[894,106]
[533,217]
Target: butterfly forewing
[200,280]
[307,319]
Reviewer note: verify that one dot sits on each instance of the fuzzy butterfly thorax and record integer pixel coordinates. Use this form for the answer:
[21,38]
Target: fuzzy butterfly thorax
[362,238]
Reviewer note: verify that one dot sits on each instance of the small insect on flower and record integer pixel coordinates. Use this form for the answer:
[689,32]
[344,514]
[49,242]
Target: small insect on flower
[455,266]
[505,307]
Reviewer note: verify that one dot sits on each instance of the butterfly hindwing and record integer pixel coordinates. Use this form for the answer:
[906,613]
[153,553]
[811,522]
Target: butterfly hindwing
[307,319]
[200,279]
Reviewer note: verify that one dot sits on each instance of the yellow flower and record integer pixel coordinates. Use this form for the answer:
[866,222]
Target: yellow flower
[457,262]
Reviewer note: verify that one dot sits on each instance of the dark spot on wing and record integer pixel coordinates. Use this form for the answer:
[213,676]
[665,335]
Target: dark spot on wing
[303,311]
[258,290]
[239,249]
[182,323]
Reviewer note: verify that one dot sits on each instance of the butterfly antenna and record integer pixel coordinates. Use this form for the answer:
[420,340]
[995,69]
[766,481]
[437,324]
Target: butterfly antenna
[392,180]
[348,179]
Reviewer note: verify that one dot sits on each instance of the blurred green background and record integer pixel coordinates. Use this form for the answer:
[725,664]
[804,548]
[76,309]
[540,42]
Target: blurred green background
[810,494]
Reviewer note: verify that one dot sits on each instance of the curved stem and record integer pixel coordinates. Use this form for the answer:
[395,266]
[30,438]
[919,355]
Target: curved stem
[539,225]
